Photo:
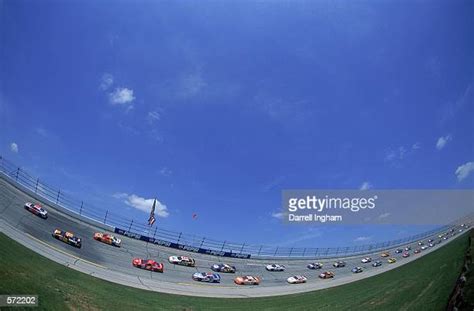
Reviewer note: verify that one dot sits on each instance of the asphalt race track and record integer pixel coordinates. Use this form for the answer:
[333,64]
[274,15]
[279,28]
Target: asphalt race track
[114,264]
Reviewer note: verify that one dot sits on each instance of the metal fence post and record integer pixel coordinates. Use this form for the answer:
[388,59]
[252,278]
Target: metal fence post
[223,245]
[130,228]
[242,248]
[105,218]
[179,237]
[154,233]
[17,172]
[291,251]
[276,251]
[57,198]
[304,251]
[202,242]
[80,210]
[259,250]
[36,186]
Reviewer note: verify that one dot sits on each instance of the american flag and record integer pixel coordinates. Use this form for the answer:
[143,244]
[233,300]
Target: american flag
[152,218]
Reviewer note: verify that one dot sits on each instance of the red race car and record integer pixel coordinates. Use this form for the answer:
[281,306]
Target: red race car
[107,239]
[147,264]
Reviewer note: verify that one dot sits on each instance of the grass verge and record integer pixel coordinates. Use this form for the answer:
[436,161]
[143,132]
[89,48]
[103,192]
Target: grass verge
[424,284]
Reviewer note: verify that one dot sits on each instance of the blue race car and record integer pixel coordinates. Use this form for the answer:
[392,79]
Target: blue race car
[357,270]
[207,277]
[222,267]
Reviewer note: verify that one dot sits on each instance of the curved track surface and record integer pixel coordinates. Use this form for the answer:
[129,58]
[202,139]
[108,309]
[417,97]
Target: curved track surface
[114,264]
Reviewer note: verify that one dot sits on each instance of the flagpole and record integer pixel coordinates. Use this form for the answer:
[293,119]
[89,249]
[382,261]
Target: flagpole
[151,221]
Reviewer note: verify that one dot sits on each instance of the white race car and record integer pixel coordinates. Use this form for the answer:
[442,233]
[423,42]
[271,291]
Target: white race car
[339,264]
[207,277]
[297,279]
[36,209]
[315,266]
[366,260]
[275,267]
[424,247]
[182,260]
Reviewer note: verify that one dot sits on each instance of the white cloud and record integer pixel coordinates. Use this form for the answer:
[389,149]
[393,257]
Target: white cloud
[41,131]
[365,186]
[191,84]
[143,204]
[397,155]
[278,215]
[120,195]
[384,215]
[121,96]
[362,239]
[464,170]
[166,171]
[14,147]
[272,184]
[153,116]
[106,81]
[442,141]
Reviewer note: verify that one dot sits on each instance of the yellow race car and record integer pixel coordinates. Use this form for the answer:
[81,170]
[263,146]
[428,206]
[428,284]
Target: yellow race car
[392,260]
[67,237]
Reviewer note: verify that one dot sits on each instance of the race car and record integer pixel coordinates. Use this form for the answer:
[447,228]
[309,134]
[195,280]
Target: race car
[315,266]
[366,260]
[247,280]
[392,260]
[182,261]
[386,254]
[408,248]
[222,267]
[207,277]
[431,244]
[275,267]
[417,251]
[406,254]
[339,264]
[424,247]
[107,239]
[326,275]
[430,241]
[147,264]
[377,263]
[296,279]
[67,237]
[398,251]
[357,270]
[421,243]
[36,209]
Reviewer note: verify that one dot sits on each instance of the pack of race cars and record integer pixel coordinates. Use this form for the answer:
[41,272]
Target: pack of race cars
[214,277]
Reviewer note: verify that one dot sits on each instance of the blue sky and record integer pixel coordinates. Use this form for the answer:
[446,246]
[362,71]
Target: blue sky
[213,108]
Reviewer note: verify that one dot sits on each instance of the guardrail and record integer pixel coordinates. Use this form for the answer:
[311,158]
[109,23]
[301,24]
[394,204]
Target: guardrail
[180,240]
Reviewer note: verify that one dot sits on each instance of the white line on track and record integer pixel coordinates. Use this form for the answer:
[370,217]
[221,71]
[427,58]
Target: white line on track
[65,253]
